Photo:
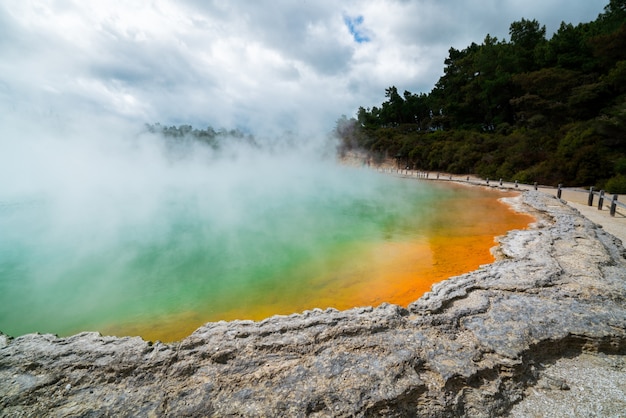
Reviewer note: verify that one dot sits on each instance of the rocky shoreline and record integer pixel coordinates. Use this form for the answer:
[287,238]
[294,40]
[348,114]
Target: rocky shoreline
[476,345]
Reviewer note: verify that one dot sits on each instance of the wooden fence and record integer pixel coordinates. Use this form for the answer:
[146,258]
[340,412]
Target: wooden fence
[603,198]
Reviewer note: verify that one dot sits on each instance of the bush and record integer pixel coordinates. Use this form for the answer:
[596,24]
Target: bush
[542,173]
[616,185]
[620,166]
[524,176]
[505,171]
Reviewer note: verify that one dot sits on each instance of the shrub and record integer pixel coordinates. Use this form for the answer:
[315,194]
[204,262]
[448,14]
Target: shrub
[620,166]
[616,185]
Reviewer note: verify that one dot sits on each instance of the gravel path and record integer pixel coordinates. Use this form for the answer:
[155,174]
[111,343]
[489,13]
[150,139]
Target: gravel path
[589,385]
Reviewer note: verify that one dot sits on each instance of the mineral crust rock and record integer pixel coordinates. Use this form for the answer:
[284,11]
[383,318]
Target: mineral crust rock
[470,347]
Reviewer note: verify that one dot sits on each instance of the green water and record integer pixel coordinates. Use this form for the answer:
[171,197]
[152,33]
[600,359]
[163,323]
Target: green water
[92,258]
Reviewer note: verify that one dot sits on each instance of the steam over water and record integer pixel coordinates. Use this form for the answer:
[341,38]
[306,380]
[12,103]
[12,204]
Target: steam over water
[141,235]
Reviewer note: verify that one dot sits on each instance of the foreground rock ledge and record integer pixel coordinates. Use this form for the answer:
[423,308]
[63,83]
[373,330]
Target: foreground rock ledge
[470,347]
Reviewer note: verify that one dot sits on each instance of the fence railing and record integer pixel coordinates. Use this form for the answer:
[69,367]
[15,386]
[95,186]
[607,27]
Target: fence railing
[613,204]
[601,197]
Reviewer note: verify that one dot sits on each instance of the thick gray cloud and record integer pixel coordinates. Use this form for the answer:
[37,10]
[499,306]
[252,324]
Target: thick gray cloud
[265,66]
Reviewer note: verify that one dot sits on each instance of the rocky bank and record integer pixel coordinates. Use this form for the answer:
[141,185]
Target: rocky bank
[476,345]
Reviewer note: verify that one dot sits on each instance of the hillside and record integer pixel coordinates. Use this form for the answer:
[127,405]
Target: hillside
[527,109]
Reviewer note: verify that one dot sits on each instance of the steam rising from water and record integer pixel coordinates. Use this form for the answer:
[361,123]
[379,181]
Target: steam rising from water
[104,226]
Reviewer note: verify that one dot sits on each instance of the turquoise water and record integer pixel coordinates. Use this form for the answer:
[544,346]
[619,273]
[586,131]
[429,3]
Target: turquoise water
[70,263]
[143,253]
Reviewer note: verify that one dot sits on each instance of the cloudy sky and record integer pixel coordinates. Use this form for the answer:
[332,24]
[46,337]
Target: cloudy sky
[265,66]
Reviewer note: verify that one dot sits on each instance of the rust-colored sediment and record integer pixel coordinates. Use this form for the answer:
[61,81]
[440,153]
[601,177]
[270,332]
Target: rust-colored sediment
[394,272]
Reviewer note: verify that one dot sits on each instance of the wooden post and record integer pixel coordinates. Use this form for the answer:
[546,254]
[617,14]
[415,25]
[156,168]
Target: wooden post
[601,200]
[559,190]
[590,200]
[613,205]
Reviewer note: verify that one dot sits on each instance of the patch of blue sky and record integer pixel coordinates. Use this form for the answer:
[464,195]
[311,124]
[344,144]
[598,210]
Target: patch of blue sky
[354,25]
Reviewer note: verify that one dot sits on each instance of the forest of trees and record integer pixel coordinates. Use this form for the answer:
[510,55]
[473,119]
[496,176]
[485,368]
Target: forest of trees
[181,141]
[208,136]
[530,109]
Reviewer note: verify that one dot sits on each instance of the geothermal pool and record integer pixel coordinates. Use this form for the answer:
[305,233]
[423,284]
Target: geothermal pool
[158,256]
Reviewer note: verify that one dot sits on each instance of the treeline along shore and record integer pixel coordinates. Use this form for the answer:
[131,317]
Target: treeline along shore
[531,109]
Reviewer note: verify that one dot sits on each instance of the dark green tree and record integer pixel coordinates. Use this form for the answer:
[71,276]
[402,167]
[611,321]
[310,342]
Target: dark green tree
[528,39]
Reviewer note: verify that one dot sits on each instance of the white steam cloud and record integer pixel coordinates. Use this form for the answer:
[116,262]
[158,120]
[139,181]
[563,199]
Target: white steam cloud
[84,206]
